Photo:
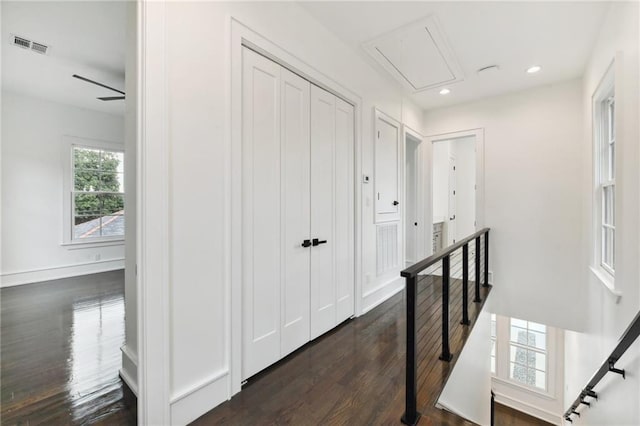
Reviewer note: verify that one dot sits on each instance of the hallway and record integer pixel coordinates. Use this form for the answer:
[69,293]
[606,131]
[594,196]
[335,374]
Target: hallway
[355,374]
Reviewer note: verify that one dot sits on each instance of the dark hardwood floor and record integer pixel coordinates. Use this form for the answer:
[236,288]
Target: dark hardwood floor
[507,416]
[60,349]
[355,374]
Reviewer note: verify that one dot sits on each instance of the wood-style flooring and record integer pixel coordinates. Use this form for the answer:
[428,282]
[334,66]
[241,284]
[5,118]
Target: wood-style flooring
[355,374]
[60,351]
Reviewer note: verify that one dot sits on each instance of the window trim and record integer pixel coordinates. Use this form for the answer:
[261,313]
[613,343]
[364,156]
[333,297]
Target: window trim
[69,142]
[601,101]
[503,360]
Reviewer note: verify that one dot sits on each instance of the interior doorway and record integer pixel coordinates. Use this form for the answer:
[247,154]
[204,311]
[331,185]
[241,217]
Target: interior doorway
[454,189]
[412,222]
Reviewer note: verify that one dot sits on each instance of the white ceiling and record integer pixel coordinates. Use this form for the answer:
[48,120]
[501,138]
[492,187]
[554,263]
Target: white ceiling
[558,36]
[86,38]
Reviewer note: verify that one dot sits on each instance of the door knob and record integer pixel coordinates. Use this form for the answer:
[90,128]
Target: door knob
[317,242]
[306,243]
[453,218]
[395,203]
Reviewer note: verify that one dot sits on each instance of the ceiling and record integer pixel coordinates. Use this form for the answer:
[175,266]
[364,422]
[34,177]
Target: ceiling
[85,38]
[558,36]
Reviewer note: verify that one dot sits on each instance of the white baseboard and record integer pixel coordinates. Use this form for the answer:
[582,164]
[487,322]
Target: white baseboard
[129,370]
[382,293]
[528,409]
[190,403]
[10,279]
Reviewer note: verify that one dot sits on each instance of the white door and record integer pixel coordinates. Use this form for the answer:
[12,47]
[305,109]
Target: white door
[451,227]
[261,209]
[344,211]
[295,221]
[387,152]
[323,273]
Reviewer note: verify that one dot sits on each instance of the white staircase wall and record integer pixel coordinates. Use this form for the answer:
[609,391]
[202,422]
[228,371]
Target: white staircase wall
[468,390]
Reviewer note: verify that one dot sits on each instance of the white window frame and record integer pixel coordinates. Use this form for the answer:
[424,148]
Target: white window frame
[603,146]
[503,360]
[69,142]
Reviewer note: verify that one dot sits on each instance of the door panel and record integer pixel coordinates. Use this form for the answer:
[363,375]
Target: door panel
[323,288]
[261,234]
[451,227]
[387,153]
[295,210]
[344,210]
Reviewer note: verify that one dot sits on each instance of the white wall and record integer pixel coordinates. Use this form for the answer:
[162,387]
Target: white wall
[532,167]
[32,189]
[602,320]
[470,399]
[199,174]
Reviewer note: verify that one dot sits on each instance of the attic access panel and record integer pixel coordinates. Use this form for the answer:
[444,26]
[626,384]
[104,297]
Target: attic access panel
[417,55]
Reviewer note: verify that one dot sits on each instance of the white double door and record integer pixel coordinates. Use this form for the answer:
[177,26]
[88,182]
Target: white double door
[298,212]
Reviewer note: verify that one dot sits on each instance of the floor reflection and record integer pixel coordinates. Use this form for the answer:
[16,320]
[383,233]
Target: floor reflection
[60,348]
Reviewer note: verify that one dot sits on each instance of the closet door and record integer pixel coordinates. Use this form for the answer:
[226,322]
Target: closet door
[323,256]
[344,210]
[261,210]
[295,140]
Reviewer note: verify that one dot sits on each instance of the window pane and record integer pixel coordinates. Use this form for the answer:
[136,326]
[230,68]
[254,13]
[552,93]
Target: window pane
[113,161]
[86,158]
[518,335]
[87,204]
[111,182]
[537,360]
[493,365]
[112,225]
[540,379]
[607,247]
[612,160]
[537,340]
[112,203]
[518,355]
[86,180]
[608,197]
[86,227]
[493,348]
[519,323]
[518,373]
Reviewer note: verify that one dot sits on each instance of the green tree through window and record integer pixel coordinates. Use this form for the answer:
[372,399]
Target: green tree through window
[98,192]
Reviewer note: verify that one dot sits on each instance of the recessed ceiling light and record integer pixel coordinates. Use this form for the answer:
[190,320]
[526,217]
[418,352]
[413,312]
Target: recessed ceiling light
[445,91]
[534,69]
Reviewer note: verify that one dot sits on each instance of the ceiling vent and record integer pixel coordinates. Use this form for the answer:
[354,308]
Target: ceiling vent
[40,48]
[28,44]
[418,55]
[21,42]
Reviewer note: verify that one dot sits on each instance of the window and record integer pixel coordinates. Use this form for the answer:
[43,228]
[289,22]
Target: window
[528,353]
[605,174]
[524,355]
[493,343]
[97,193]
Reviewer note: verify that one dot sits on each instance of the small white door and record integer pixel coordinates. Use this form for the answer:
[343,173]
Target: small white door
[261,204]
[451,227]
[323,142]
[387,152]
[295,109]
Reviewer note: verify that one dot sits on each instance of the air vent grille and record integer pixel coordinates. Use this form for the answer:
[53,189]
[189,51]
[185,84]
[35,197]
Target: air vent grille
[21,42]
[40,48]
[25,43]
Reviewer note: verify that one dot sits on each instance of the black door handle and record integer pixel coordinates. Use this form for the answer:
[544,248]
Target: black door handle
[317,242]
[453,218]
[306,243]
[395,203]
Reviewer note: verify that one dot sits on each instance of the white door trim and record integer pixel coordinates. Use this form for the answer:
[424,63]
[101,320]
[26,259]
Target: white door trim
[421,191]
[239,35]
[479,135]
[152,216]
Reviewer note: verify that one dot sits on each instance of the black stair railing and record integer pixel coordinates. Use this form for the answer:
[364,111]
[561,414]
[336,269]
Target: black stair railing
[608,366]
[411,415]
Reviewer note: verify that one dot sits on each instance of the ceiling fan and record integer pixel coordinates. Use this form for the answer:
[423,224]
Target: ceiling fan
[106,98]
